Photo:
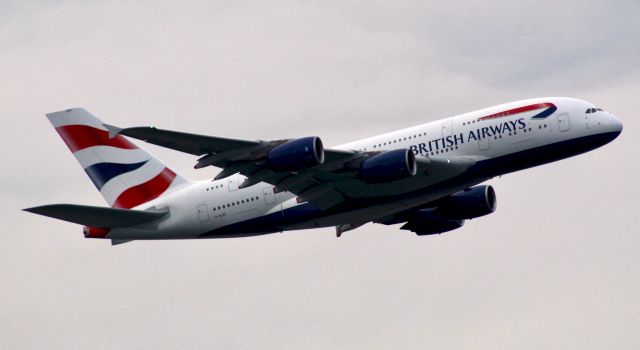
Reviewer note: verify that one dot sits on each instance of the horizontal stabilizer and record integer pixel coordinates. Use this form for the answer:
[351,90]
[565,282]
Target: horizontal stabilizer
[98,216]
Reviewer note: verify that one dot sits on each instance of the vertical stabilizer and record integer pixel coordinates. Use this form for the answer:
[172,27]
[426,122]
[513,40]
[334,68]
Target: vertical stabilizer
[125,175]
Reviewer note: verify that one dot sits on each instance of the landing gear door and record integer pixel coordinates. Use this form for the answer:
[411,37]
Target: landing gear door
[563,122]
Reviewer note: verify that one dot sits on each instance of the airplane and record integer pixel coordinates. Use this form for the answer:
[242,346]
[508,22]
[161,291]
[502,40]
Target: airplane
[427,178]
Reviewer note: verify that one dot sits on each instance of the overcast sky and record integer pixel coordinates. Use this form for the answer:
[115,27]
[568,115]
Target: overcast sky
[557,266]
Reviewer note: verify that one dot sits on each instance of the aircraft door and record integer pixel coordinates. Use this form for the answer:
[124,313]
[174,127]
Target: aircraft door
[563,122]
[484,144]
[203,213]
[447,128]
[232,184]
[269,196]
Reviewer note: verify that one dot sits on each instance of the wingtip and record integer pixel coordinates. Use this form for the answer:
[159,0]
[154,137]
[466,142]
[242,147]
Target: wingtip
[41,209]
[33,210]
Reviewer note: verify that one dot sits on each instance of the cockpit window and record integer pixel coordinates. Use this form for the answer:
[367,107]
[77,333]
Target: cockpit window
[593,110]
[599,109]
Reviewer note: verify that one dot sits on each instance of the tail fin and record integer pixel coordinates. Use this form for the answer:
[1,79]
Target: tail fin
[125,175]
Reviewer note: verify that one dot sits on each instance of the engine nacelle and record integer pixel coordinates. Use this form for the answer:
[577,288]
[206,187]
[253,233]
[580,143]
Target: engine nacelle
[296,154]
[468,204]
[389,166]
[429,222]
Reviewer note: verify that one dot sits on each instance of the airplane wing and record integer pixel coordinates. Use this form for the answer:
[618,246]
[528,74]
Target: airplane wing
[325,185]
[97,216]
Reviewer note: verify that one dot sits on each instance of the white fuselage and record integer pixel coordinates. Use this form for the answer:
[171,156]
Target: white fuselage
[509,140]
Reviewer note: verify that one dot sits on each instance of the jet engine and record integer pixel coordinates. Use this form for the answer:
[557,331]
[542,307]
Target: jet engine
[450,212]
[389,166]
[469,203]
[296,154]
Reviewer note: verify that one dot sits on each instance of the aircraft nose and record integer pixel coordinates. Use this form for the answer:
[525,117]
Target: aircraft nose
[616,124]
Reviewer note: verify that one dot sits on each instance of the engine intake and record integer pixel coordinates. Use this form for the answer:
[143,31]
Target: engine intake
[389,166]
[296,154]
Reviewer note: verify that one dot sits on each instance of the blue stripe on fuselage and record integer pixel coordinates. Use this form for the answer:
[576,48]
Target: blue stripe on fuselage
[547,112]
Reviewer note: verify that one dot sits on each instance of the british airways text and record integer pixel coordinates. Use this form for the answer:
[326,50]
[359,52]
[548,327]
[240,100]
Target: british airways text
[473,135]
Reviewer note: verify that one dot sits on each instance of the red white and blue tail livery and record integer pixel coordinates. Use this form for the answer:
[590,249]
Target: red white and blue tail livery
[125,175]
[426,177]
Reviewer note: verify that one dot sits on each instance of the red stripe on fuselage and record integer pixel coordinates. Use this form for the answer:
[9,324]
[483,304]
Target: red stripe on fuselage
[145,192]
[78,137]
[518,110]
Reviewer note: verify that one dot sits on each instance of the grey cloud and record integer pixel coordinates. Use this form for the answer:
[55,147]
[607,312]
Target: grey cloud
[504,42]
